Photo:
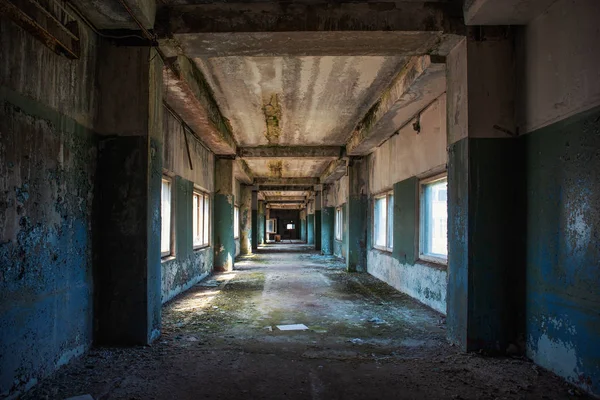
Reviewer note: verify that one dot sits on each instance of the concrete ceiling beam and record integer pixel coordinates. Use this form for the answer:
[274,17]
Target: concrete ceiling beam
[188,94]
[505,12]
[285,188]
[113,15]
[304,152]
[421,81]
[334,171]
[286,198]
[272,28]
[242,173]
[285,182]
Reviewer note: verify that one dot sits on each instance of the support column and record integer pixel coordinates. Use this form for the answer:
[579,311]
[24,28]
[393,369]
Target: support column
[356,242]
[310,222]
[127,260]
[327,224]
[318,199]
[254,219]
[224,209]
[261,222]
[303,225]
[485,196]
[246,220]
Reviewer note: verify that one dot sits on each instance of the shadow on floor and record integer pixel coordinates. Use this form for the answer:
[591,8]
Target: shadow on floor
[365,340]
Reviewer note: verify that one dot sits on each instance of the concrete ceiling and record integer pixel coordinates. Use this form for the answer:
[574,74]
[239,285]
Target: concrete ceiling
[297,101]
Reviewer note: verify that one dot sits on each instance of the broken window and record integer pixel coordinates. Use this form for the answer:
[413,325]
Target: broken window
[165,214]
[434,219]
[236,222]
[383,222]
[201,219]
[272,225]
[338,223]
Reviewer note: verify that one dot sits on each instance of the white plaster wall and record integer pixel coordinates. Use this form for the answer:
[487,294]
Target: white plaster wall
[338,195]
[175,156]
[410,154]
[559,62]
[421,282]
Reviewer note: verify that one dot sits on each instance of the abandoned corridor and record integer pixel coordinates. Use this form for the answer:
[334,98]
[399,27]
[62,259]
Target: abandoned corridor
[365,340]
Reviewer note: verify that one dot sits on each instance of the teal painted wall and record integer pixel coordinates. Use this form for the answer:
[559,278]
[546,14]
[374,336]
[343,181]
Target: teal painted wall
[48,164]
[255,234]
[261,224]
[327,230]
[310,228]
[356,245]
[318,230]
[563,248]
[406,221]
[223,232]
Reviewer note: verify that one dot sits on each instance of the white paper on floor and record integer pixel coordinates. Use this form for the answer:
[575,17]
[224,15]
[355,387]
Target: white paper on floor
[293,327]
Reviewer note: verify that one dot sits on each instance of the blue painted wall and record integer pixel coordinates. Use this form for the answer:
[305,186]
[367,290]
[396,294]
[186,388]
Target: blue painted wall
[225,244]
[46,171]
[563,248]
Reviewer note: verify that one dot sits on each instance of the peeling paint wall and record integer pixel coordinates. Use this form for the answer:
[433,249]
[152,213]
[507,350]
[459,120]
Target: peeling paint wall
[558,58]
[188,265]
[419,281]
[410,153]
[395,165]
[47,167]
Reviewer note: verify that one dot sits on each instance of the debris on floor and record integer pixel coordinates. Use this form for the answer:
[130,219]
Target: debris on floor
[209,284]
[292,327]
[82,397]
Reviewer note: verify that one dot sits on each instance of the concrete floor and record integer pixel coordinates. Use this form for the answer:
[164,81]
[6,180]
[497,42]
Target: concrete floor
[366,341]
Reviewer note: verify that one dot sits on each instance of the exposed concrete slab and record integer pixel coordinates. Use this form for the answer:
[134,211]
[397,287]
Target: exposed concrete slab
[286,181]
[306,152]
[191,97]
[295,17]
[297,101]
[287,168]
[334,171]
[421,81]
[271,193]
[113,15]
[505,12]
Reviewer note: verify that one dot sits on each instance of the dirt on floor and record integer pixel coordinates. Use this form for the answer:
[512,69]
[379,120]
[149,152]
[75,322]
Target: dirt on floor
[364,340]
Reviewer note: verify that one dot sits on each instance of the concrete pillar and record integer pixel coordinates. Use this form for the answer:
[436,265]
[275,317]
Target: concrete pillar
[303,225]
[245,219]
[261,222]
[356,241]
[127,261]
[310,222]
[318,199]
[485,237]
[254,219]
[327,225]
[223,215]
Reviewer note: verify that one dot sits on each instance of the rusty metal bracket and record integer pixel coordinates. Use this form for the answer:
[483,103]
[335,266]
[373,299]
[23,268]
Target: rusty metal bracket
[53,34]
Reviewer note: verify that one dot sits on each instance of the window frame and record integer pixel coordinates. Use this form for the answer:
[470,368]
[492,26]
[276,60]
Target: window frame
[206,219]
[443,261]
[168,253]
[389,244]
[339,224]
[236,221]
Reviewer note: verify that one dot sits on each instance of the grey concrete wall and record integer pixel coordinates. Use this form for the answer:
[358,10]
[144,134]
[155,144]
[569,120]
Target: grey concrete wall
[48,158]
[189,265]
[407,155]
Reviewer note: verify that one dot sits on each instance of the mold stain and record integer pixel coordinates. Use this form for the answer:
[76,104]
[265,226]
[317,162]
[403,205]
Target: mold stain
[275,168]
[272,112]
